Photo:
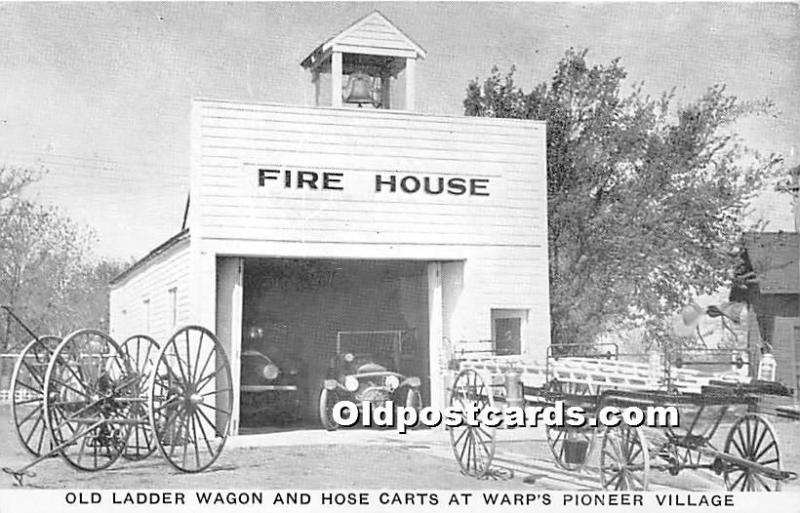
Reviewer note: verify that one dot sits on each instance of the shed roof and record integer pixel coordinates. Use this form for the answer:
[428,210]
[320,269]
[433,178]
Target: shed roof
[159,250]
[775,257]
[373,34]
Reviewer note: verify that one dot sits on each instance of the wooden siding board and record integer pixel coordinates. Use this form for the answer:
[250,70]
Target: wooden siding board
[153,281]
[332,116]
[231,137]
[357,128]
[380,139]
[356,235]
[257,149]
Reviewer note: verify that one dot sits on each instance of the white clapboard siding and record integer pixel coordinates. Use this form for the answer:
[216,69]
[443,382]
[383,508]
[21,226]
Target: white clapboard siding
[502,238]
[153,281]
[232,140]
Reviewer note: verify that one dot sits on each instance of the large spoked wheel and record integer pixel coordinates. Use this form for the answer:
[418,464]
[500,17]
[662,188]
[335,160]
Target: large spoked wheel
[624,459]
[190,399]
[753,439]
[473,446]
[141,352]
[571,446]
[27,394]
[87,392]
[327,400]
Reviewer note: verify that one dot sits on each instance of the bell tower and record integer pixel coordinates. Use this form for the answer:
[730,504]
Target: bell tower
[370,64]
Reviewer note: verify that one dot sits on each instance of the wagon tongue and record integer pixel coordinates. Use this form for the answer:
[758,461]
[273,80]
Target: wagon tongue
[18,475]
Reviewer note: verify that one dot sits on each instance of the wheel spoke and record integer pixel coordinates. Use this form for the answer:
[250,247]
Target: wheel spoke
[30,415]
[741,439]
[212,424]
[28,401]
[203,432]
[216,392]
[22,383]
[189,373]
[764,450]
[200,385]
[203,369]
[33,374]
[460,437]
[177,434]
[480,440]
[738,448]
[33,429]
[178,358]
[737,481]
[466,443]
[220,410]
[758,477]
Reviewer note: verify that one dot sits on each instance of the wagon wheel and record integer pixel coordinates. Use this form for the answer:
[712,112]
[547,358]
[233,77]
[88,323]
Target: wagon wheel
[190,399]
[571,446]
[473,446]
[27,389]
[87,391]
[327,400]
[141,352]
[624,459]
[753,439]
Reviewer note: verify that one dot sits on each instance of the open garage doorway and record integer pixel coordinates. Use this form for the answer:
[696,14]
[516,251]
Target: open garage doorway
[293,312]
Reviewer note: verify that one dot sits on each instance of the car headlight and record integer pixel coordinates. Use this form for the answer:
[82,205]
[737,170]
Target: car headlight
[391,382]
[270,371]
[351,383]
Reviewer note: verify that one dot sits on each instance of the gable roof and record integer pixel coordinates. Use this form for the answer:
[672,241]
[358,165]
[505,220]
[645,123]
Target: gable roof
[775,258]
[373,34]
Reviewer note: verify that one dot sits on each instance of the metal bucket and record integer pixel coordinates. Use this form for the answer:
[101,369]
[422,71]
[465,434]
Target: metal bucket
[575,451]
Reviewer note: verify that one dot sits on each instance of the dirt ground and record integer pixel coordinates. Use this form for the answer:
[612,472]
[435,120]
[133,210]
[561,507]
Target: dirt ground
[315,459]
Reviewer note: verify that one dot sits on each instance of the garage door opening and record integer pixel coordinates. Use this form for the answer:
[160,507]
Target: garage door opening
[295,310]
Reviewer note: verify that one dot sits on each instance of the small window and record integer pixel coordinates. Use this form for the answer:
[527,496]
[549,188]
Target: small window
[508,330]
[173,302]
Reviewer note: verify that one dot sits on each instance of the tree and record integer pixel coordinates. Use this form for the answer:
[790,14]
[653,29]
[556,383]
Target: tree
[13,179]
[646,199]
[41,256]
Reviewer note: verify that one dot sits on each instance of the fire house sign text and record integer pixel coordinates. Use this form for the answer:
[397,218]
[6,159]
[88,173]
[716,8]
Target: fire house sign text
[381,183]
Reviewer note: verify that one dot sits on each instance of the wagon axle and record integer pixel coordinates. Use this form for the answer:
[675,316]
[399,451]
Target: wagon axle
[90,400]
[749,460]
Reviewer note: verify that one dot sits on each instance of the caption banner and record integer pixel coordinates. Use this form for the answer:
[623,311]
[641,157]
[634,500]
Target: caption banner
[23,501]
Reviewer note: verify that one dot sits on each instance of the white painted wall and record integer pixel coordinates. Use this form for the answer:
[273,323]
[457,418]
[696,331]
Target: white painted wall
[153,281]
[500,240]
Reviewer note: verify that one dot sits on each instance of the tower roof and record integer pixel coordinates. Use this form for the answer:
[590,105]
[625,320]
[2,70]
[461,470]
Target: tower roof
[373,34]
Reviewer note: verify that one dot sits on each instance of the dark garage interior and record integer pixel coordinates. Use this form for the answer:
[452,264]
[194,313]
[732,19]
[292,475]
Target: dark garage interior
[292,312]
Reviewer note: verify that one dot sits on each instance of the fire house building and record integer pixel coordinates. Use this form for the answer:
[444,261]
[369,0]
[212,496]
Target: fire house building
[356,214]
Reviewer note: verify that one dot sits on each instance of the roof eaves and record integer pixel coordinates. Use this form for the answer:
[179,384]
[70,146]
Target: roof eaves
[160,249]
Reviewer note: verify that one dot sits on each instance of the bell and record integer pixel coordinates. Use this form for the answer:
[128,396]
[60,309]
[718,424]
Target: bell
[359,89]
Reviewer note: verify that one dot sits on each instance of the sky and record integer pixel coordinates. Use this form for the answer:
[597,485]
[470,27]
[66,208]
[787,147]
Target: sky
[99,93]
